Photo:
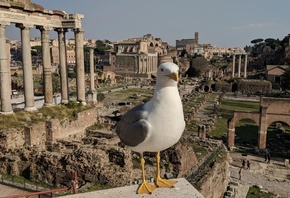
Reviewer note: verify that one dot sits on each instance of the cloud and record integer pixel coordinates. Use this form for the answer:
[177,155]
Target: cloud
[255,26]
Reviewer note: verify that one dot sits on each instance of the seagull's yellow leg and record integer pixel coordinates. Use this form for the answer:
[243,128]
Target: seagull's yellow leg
[162,182]
[145,187]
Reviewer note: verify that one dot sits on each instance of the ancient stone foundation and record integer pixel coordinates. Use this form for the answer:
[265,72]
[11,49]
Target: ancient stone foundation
[51,130]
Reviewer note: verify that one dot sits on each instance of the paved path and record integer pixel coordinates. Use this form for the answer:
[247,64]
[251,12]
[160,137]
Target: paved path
[181,189]
[8,191]
[273,177]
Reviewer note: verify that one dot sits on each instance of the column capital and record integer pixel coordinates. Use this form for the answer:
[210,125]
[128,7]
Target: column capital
[43,28]
[78,30]
[61,30]
[23,26]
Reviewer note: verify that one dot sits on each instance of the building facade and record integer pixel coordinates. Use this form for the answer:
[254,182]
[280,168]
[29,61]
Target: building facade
[138,57]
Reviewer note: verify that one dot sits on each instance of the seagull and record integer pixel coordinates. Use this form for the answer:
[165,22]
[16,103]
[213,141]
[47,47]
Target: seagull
[156,125]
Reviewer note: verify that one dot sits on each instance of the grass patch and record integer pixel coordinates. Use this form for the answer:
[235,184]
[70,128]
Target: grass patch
[95,187]
[127,95]
[96,126]
[226,112]
[23,181]
[255,192]
[200,151]
[23,118]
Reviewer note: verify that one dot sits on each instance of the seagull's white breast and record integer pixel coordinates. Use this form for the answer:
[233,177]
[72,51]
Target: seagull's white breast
[166,119]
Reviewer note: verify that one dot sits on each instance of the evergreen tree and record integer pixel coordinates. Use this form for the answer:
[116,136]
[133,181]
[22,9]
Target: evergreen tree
[285,81]
[193,72]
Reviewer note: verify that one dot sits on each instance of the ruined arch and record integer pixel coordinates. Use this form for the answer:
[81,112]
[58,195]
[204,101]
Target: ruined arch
[271,110]
[277,137]
[277,118]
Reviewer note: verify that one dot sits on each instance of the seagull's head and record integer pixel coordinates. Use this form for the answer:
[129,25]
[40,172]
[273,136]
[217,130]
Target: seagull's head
[167,74]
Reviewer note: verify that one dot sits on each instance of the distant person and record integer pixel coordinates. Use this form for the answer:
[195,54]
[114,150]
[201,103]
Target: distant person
[243,163]
[268,158]
[240,173]
[266,155]
[248,164]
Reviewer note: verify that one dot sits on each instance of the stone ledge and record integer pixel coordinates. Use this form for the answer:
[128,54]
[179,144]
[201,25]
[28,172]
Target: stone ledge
[182,189]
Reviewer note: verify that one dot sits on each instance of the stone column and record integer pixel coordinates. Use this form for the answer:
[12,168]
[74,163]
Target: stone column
[202,131]
[262,134]
[239,68]
[63,64]
[92,96]
[234,64]
[137,65]
[79,51]
[5,85]
[231,135]
[47,78]
[27,67]
[92,71]
[246,65]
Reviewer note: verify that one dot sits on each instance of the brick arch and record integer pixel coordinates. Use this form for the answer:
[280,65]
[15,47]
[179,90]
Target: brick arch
[277,118]
[271,110]
[235,119]
[239,115]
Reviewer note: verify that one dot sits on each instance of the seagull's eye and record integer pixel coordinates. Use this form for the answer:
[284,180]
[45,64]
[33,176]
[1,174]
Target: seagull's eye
[161,69]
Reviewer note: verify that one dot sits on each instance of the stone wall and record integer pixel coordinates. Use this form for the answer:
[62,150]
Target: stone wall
[214,184]
[84,119]
[35,134]
[51,130]
[12,138]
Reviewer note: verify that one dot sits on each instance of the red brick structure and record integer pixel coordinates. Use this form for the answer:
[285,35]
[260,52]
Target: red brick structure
[202,131]
[271,110]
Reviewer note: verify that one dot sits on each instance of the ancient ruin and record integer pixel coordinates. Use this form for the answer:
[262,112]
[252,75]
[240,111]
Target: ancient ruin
[271,110]
[26,15]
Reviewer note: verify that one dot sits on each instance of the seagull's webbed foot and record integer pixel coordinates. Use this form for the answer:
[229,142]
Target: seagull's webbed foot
[146,188]
[164,183]
[159,181]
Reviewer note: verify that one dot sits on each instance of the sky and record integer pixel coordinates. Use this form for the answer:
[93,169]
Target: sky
[221,23]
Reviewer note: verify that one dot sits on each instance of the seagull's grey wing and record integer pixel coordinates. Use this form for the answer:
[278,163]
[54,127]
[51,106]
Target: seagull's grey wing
[132,129]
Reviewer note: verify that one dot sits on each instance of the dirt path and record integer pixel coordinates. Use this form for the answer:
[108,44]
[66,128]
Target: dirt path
[273,177]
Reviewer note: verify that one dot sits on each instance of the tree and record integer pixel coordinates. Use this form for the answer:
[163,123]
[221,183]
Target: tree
[257,41]
[285,80]
[101,46]
[273,43]
[87,59]
[183,52]
[56,83]
[193,72]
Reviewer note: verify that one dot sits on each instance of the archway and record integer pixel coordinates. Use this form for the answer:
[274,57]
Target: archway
[278,138]
[246,134]
[271,110]
[239,117]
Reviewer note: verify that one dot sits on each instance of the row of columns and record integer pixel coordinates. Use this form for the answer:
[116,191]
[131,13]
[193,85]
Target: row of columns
[147,64]
[239,66]
[5,82]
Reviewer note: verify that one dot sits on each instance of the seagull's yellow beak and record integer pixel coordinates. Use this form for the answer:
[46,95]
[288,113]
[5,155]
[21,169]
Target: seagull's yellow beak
[173,76]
